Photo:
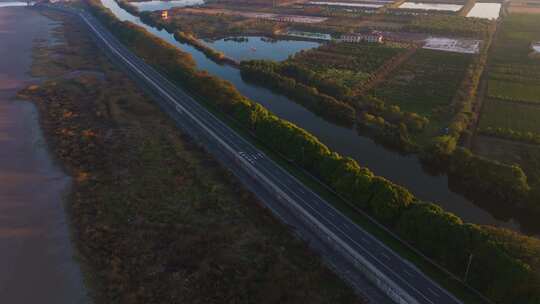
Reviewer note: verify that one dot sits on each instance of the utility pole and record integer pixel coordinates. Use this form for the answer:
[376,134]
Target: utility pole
[468,267]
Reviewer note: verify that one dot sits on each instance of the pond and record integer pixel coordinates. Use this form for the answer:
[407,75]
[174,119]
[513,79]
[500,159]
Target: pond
[431,6]
[164,5]
[256,47]
[485,10]
[404,170]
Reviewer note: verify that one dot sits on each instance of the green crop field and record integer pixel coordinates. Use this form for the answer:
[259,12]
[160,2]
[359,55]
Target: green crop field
[514,70]
[514,91]
[348,56]
[427,82]
[510,115]
[347,64]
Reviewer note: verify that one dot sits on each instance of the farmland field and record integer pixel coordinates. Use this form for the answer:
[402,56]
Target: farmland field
[510,115]
[514,91]
[348,65]
[525,6]
[426,83]
[446,25]
[514,74]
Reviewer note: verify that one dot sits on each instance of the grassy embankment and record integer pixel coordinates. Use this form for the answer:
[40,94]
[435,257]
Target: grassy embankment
[156,219]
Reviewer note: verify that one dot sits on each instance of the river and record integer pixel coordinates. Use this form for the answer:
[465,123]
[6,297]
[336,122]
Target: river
[404,170]
[36,255]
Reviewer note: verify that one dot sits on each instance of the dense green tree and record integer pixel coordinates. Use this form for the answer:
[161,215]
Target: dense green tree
[388,200]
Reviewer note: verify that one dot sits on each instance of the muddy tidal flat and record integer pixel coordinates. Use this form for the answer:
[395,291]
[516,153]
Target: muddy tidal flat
[36,255]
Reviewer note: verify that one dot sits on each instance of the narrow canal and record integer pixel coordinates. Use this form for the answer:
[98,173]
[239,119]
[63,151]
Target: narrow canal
[404,170]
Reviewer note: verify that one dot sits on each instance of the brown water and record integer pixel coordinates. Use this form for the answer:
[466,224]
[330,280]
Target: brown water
[36,257]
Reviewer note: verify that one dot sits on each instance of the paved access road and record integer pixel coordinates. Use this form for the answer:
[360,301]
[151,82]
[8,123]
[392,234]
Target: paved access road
[353,240]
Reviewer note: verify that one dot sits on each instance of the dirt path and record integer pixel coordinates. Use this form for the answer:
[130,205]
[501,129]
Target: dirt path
[481,94]
[36,258]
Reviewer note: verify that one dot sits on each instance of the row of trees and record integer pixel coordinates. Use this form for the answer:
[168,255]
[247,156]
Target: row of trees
[264,72]
[390,135]
[209,52]
[506,133]
[392,113]
[507,183]
[442,236]
[309,77]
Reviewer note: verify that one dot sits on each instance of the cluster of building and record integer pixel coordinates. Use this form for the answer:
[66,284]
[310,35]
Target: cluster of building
[285,18]
[360,37]
[365,36]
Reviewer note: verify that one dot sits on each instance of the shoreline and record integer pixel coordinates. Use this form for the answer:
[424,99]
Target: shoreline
[35,229]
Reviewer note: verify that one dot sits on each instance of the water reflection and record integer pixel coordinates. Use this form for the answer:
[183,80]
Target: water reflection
[249,48]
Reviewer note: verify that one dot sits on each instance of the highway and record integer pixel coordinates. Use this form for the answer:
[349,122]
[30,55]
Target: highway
[355,242]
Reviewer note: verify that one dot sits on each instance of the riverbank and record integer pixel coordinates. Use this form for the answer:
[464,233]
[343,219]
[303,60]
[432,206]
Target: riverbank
[36,256]
[158,220]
